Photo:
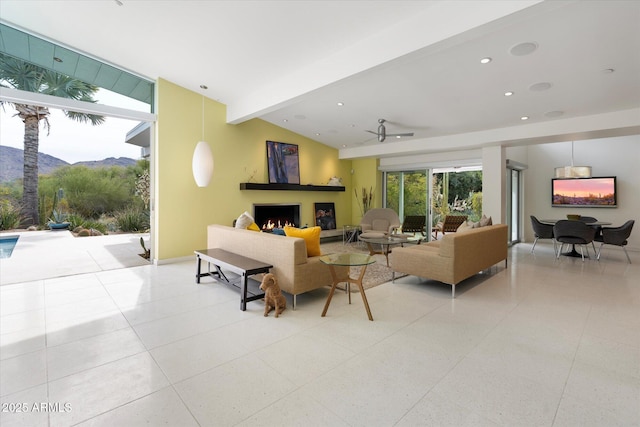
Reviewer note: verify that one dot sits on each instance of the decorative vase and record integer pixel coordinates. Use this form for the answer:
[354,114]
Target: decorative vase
[59,225]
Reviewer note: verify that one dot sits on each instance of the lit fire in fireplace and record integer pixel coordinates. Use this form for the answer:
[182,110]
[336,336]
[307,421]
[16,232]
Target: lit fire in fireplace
[270,217]
[270,225]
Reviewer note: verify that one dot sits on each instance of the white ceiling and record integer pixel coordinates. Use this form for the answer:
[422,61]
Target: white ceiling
[414,63]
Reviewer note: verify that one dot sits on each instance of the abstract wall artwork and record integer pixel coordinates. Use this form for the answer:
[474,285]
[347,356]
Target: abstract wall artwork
[282,159]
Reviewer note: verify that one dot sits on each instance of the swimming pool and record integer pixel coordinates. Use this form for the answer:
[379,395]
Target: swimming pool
[7,243]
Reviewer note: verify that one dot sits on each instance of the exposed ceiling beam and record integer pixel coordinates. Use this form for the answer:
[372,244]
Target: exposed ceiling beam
[31,98]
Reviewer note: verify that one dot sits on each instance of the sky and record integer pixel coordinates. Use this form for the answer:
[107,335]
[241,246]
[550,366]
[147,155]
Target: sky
[72,141]
[584,187]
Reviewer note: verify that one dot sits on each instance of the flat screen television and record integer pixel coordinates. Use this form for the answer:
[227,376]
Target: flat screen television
[584,192]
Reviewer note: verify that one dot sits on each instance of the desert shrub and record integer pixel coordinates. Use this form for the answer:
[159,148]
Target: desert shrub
[11,190]
[109,222]
[95,192]
[91,192]
[476,205]
[10,216]
[96,225]
[75,220]
[132,220]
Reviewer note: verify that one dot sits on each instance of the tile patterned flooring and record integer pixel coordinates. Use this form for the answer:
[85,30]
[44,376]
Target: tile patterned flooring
[544,342]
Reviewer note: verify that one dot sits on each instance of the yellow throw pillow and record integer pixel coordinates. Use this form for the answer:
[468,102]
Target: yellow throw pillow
[253,227]
[310,235]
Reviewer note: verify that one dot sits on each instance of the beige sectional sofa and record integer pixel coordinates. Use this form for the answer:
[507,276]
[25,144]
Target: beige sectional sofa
[455,257]
[296,272]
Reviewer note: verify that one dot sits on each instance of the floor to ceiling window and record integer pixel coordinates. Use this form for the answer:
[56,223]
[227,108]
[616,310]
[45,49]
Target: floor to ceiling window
[406,193]
[100,92]
[434,193]
[456,191]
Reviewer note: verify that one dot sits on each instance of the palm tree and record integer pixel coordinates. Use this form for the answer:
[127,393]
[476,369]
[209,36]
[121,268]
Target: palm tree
[17,74]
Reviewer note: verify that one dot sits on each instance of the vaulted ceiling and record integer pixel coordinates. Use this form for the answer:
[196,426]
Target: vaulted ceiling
[573,67]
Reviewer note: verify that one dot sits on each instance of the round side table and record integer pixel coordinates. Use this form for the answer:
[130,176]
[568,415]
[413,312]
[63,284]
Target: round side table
[350,260]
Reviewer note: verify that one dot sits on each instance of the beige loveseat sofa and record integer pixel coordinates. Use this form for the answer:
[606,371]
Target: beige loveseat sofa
[455,257]
[296,272]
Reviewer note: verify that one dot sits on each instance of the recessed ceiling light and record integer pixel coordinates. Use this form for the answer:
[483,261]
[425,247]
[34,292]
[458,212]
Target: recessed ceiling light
[55,58]
[344,145]
[340,104]
[524,48]
[398,137]
[285,120]
[485,60]
[317,134]
[552,114]
[539,87]
[204,87]
[524,118]
[508,93]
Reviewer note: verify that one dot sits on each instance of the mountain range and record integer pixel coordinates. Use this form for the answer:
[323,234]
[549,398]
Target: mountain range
[12,162]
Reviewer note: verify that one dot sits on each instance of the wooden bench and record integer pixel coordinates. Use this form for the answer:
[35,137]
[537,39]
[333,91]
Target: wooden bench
[237,264]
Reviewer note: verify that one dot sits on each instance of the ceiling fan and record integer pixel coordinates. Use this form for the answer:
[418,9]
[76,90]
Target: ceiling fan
[382,132]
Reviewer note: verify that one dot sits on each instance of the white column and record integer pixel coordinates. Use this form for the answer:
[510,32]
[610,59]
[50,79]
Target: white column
[494,184]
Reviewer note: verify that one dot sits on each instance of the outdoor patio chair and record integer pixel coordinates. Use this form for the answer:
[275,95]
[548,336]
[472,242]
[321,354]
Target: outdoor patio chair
[449,225]
[414,224]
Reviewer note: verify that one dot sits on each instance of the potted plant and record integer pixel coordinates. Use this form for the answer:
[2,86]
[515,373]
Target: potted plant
[57,221]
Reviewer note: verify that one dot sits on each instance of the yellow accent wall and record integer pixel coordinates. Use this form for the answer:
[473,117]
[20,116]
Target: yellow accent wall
[184,210]
[365,174]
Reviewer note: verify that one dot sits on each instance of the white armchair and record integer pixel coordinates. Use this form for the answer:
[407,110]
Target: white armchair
[380,220]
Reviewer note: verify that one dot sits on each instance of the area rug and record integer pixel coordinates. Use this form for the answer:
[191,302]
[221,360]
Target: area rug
[376,274]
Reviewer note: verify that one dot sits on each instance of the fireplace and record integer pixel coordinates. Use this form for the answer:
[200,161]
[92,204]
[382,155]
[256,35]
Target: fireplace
[276,215]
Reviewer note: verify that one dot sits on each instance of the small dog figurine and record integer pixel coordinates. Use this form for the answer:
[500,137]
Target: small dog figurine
[273,297]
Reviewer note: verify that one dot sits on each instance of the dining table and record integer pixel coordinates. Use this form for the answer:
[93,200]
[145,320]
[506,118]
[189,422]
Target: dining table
[573,252]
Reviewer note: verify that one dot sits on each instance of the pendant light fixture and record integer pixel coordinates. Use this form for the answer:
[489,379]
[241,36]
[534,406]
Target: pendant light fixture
[573,171]
[202,163]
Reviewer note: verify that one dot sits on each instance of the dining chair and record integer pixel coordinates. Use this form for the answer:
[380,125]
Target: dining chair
[616,236]
[588,220]
[542,231]
[574,233]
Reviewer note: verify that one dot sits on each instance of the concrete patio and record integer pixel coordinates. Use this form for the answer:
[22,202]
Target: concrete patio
[48,254]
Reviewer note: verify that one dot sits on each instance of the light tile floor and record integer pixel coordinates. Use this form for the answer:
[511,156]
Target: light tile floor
[544,342]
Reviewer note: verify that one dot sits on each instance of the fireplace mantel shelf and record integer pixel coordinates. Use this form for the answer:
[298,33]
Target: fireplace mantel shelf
[289,187]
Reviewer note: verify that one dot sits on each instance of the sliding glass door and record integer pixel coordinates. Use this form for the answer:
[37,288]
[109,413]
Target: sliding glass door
[434,193]
[407,193]
[514,205]
[514,181]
